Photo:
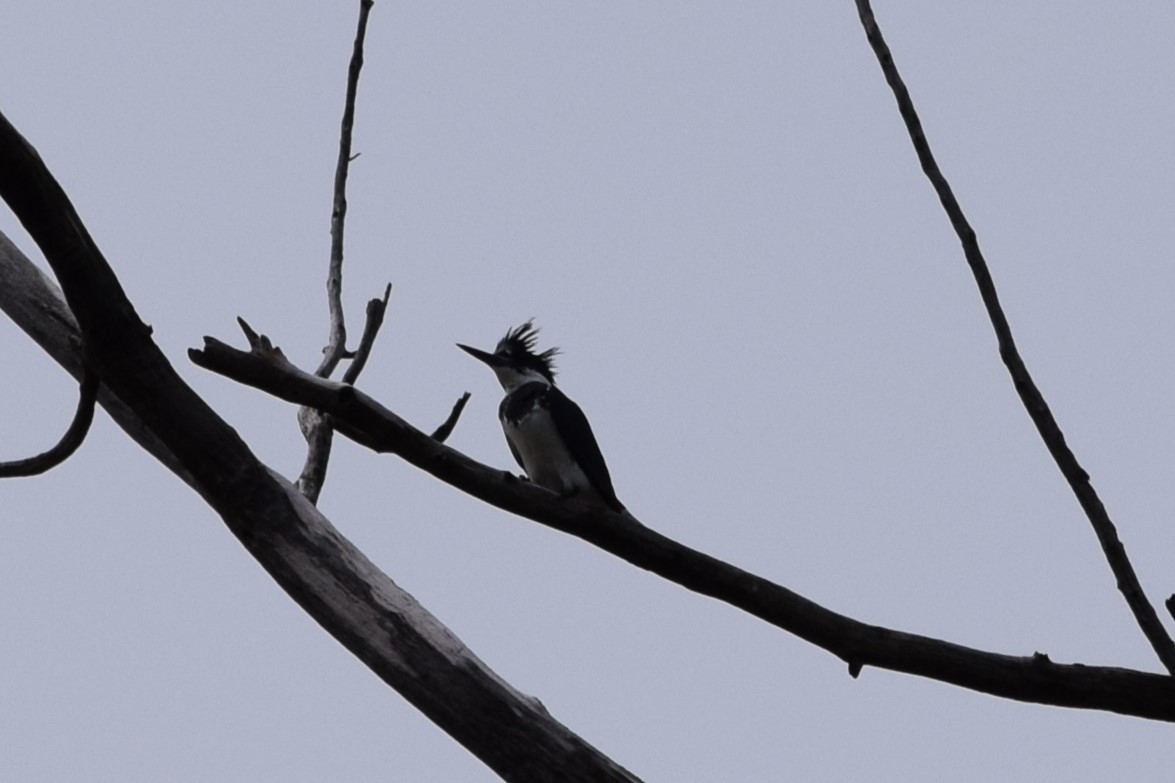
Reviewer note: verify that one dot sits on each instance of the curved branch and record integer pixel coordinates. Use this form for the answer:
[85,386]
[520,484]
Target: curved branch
[36,305]
[1030,395]
[1031,679]
[70,441]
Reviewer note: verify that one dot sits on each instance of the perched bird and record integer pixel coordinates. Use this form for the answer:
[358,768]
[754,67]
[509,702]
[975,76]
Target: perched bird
[548,434]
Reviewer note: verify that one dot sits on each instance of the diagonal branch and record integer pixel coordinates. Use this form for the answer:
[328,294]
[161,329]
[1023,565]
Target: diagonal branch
[70,441]
[441,433]
[1030,395]
[324,573]
[36,305]
[376,309]
[1031,679]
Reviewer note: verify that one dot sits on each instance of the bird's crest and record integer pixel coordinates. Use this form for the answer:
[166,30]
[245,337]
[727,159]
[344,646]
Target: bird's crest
[519,346]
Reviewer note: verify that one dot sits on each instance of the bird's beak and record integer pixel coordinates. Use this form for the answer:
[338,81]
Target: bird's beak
[488,358]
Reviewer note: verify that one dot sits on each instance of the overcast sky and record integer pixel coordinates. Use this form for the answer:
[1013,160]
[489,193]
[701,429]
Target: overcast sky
[714,210]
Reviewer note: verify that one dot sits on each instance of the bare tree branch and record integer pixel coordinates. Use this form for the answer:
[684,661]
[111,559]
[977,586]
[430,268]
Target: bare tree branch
[330,579]
[336,344]
[376,308]
[1030,395]
[70,441]
[316,429]
[1032,679]
[442,433]
[36,305]
[319,435]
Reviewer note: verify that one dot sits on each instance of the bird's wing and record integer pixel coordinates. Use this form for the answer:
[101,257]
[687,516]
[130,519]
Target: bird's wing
[503,411]
[582,444]
[517,456]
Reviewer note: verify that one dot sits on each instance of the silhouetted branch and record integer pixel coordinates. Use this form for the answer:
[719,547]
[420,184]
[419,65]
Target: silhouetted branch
[376,308]
[336,344]
[323,572]
[1030,395]
[316,429]
[442,433]
[36,305]
[1031,679]
[70,441]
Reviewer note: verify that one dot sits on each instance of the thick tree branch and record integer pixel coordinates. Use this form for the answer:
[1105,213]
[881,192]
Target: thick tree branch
[371,616]
[1031,679]
[36,305]
[70,441]
[1030,395]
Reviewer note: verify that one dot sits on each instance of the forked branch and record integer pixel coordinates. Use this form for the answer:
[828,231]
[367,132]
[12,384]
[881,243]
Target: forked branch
[315,428]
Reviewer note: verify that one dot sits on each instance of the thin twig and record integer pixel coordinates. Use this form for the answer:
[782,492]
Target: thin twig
[1030,395]
[376,308]
[70,441]
[442,433]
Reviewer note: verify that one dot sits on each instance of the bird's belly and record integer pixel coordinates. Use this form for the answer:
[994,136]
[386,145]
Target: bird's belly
[544,455]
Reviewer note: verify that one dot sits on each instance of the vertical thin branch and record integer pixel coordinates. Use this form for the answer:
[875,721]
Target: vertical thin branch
[1030,395]
[336,343]
[315,427]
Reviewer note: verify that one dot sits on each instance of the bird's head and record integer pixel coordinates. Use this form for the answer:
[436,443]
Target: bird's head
[515,360]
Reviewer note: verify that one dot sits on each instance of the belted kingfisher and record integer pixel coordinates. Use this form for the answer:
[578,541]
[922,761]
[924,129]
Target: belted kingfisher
[548,434]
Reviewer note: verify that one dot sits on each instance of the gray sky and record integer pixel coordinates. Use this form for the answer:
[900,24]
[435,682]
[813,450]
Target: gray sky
[714,210]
